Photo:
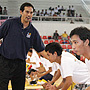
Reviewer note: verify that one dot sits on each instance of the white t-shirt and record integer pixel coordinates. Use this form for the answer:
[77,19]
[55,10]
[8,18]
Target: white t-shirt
[46,63]
[55,67]
[88,64]
[71,66]
[34,58]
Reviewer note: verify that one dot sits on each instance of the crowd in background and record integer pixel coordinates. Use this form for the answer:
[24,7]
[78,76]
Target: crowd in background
[3,11]
[58,11]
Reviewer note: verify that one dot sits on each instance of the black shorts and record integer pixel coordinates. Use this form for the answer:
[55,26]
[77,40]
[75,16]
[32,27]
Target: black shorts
[81,86]
[47,77]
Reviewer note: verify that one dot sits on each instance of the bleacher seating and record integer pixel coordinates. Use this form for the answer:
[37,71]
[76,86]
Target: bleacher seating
[68,37]
[67,42]
[61,41]
[13,7]
[46,42]
[64,47]
[57,41]
[59,37]
[44,37]
[49,37]
[64,43]
[51,41]
[69,47]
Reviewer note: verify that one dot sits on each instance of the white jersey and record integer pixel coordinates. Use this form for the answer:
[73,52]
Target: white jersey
[46,63]
[34,58]
[71,66]
[55,67]
[88,64]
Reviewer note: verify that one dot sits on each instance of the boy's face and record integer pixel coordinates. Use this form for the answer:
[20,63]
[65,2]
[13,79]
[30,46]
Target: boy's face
[52,57]
[29,54]
[78,45]
[27,14]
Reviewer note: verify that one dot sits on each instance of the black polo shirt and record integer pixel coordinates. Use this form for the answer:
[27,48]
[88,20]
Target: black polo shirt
[17,41]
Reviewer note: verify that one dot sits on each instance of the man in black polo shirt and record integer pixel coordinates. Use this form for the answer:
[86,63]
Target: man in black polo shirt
[19,35]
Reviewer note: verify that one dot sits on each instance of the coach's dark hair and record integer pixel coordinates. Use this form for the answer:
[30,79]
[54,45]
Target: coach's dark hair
[82,32]
[54,47]
[26,4]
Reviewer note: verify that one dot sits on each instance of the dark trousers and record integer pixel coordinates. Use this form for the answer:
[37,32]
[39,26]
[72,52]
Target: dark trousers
[47,77]
[14,70]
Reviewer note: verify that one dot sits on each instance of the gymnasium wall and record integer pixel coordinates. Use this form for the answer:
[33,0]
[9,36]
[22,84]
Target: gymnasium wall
[48,28]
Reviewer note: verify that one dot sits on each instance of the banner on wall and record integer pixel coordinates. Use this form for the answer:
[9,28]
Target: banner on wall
[1,21]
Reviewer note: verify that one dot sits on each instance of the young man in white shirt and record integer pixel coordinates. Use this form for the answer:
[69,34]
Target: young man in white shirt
[80,39]
[72,70]
[33,60]
[49,68]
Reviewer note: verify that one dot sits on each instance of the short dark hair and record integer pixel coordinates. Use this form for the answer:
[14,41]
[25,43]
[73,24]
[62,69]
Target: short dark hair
[82,32]
[54,47]
[30,50]
[26,4]
[31,70]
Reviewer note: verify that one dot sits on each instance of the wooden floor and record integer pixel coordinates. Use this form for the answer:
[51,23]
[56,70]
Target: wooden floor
[29,87]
